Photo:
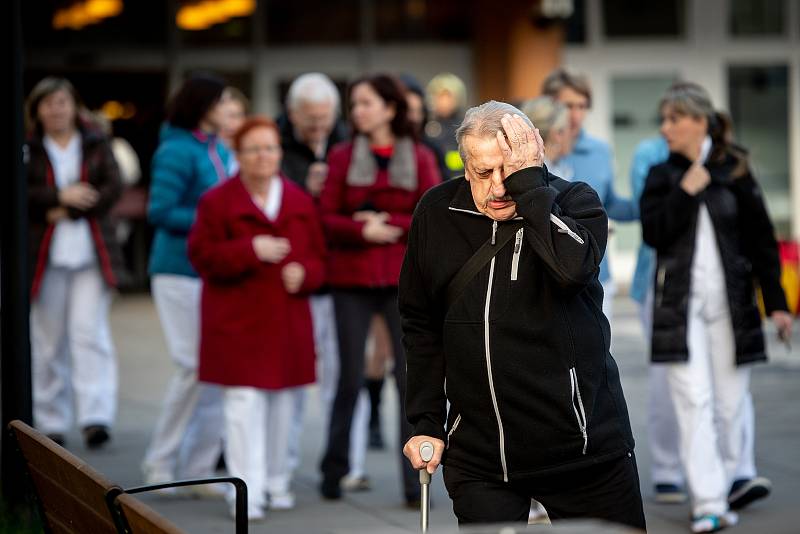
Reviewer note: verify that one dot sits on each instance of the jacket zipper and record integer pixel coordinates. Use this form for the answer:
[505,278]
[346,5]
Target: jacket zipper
[489,365]
[453,429]
[494,232]
[515,257]
[580,414]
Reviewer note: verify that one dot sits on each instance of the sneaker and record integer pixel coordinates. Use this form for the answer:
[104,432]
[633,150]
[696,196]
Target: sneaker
[152,477]
[537,515]
[330,489]
[205,491]
[356,483]
[281,501]
[744,491]
[713,523]
[58,438]
[255,513]
[670,494]
[96,436]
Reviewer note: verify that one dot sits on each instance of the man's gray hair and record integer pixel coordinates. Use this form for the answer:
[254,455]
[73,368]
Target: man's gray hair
[312,88]
[484,121]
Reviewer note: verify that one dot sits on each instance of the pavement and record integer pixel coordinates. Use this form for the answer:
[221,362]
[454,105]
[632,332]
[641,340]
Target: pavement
[145,369]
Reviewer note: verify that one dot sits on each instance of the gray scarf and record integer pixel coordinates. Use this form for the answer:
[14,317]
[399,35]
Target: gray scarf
[402,166]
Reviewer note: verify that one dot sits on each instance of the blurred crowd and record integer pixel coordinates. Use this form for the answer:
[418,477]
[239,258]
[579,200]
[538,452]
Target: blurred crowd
[275,263]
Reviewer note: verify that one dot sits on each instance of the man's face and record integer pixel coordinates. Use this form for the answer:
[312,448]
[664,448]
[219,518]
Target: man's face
[577,105]
[313,121]
[484,171]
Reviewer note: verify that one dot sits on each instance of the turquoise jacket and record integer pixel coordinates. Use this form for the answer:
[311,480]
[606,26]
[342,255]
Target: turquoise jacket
[185,165]
[648,153]
[591,163]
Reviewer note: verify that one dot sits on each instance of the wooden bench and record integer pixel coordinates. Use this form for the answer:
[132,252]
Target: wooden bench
[73,498]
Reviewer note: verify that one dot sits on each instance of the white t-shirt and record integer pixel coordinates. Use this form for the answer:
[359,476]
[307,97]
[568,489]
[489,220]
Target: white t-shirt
[72,245]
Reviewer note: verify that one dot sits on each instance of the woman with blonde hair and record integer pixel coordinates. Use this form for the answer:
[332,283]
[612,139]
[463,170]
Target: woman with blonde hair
[552,119]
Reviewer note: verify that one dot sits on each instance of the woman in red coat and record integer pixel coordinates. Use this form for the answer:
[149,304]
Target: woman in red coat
[258,247]
[374,183]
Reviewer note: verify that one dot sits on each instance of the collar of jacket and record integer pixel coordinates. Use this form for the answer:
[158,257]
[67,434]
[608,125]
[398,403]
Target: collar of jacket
[464,203]
[724,164]
[246,208]
[402,170]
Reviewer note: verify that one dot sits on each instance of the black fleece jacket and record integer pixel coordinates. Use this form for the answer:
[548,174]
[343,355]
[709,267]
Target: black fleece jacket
[532,385]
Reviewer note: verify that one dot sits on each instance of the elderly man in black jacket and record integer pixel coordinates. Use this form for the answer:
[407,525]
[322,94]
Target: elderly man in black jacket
[520,348]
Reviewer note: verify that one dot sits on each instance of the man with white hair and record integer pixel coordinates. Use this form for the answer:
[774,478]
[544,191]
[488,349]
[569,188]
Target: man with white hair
[309,129]
[500,299]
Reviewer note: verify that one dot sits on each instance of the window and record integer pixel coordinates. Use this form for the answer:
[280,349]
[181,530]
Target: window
[634,18]
[758,17]
[312,21]
[431,20]
[759,106]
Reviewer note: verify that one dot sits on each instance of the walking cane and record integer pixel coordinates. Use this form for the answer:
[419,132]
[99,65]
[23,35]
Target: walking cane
[426,452]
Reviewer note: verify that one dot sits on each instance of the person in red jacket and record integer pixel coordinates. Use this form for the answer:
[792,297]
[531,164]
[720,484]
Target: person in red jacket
[258,247]
[374,183]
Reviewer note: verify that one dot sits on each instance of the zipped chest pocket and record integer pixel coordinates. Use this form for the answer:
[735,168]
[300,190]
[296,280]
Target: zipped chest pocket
[516,254]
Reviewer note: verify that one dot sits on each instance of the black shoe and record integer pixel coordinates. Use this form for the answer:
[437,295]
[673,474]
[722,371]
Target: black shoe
[745,491]
[221,462]
[96,436]
[57,438]
[330,489]
[376,439]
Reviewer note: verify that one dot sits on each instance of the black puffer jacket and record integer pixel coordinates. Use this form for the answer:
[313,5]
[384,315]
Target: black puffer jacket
[746,243]
[532,385]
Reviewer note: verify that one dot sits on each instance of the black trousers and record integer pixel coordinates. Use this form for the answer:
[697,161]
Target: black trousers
[607,491]
[354,311]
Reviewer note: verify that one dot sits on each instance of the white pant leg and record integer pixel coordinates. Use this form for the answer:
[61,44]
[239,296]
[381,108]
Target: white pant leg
[731,384]
[190,409]
[94,364]
[692,394]
[747,463]
[280,409]
[662,427]
[358,435]
[296,431]
[326,344]
[52,404]
[245,443]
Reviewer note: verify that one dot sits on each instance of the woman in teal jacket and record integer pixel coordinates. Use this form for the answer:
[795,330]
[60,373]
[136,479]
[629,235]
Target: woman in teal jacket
[189,160]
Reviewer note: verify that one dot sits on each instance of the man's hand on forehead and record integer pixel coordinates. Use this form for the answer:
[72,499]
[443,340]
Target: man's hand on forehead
[521,146]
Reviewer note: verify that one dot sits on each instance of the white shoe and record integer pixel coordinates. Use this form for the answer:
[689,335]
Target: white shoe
[255,513]
[281,501]
[205,491]
[152,477]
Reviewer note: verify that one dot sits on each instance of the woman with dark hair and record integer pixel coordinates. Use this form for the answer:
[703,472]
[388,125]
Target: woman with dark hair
[374,183]
[73,181]
[189,160]
[259,249]
[704,214]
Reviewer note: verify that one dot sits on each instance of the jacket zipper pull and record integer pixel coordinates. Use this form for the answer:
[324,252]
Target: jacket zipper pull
[494,232]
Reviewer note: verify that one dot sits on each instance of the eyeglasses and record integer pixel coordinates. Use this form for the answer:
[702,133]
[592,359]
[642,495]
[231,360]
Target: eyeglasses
[252,150]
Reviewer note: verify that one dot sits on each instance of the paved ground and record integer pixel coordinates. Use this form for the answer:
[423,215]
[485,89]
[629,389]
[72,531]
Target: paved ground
[144,369]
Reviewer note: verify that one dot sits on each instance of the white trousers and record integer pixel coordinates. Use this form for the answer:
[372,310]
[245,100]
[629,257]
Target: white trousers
[187,439]
[708,393]
[257,426]
[72,351]
[662,426]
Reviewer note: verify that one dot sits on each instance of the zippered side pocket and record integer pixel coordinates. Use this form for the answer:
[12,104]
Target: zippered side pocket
[452,429]
[577,407]
[515,257]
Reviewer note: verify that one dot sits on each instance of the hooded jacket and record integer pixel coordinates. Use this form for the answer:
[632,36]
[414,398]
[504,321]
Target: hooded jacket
[524,350]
